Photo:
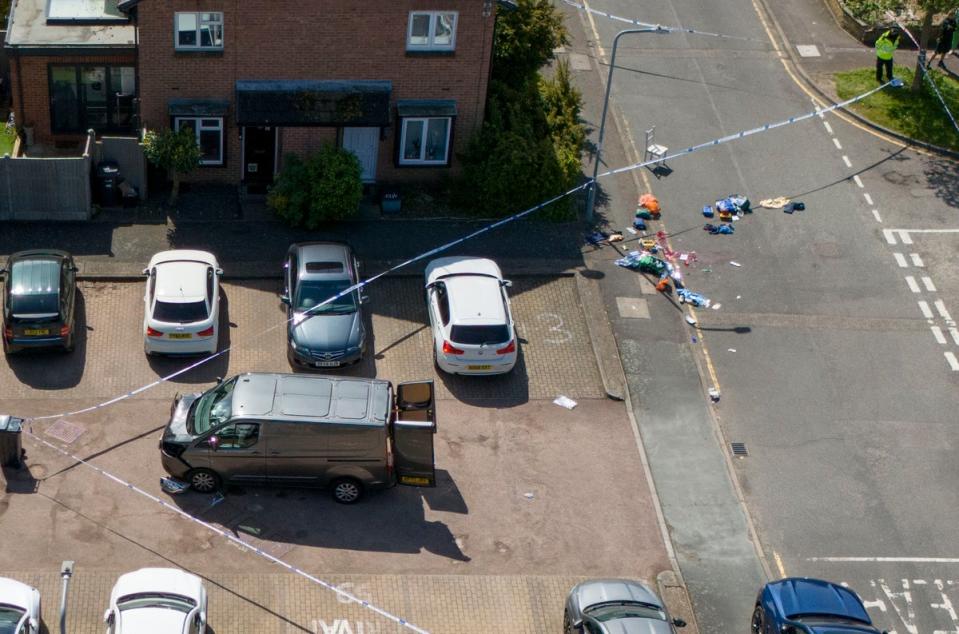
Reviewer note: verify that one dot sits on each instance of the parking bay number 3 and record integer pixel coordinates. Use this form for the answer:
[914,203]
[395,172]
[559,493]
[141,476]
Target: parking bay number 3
[557,334]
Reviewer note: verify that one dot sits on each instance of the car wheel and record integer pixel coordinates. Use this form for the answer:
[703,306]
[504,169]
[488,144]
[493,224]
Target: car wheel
[758,621]
[204,481]
[347,490]
[567,623]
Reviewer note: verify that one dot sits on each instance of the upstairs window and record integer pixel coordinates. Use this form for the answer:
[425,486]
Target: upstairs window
[198,31]
[431,31]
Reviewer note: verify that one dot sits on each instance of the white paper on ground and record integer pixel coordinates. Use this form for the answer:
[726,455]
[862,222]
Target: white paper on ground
[735,263]
[565,401]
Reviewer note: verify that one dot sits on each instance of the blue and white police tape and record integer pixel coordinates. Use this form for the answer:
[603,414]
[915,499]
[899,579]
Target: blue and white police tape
[926,74]
[233,538]
[660,27]
[470,236]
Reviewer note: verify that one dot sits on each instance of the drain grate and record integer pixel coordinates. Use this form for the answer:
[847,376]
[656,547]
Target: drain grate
[64,431]
[739,449]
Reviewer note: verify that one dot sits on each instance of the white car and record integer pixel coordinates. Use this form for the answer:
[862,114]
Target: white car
[470,315]
[181,303]
[157,601]
[19,608]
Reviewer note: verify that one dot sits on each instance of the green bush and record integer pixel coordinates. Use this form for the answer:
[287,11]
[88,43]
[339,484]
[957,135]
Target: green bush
[525,40]
[872,11]
[324,186]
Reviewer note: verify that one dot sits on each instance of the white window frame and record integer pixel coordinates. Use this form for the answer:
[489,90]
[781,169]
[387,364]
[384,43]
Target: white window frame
[431,45]
[426,126]
[199,24]
[198,127]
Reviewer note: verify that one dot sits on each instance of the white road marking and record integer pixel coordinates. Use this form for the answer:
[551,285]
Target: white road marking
[893,560]
[909,618]
[911,281]
[953,361]
[946,604]
[837,143]
[868,198]
[890,236]
[916,260]
[828,127]
[901,260]
[875,214]
[937,333]
[845,159]
[955,335]
[941,307]
[905,237]
[926,311]
[927,282]
[858,181]
[927,230]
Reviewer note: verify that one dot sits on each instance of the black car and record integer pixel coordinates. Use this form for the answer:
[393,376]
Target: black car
[39,299]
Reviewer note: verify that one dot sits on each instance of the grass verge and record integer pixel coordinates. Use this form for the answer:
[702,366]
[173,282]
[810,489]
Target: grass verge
[7,138]
[916,115]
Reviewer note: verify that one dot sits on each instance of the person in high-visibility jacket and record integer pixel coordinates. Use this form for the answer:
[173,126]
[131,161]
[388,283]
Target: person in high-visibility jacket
[886,45]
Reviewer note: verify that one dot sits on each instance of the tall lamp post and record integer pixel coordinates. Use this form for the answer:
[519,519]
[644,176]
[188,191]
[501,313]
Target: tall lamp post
[591,199]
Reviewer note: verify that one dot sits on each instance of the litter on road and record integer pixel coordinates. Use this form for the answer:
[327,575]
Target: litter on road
[716,306]
[717,229]
[687,296]
[690,320]
[714,394]
[734,263]
[794,206]
[565,401]
[774,203]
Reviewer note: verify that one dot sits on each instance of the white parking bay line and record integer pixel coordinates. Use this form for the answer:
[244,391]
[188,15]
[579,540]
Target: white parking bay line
[941,307]
[837,143]
[890,236]
[955,335]
[937,333]
[875,214]
[858,181]
[926,311]
[953,362]
[901,260]
[927,282]
[868,198]
[845,159]
[916,260]
[911,281]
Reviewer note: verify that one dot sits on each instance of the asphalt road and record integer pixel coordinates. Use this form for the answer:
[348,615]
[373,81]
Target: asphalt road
[831,352]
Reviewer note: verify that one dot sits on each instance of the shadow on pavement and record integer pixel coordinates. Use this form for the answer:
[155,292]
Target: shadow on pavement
[18,481]
[55,369]
[499,391]
[943,176]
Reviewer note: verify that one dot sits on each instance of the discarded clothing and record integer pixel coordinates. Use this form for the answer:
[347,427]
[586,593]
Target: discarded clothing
[638,223]
[774,203]
[644,262]
[708,211]
[651,203]
[796,206]
[687,296]
[734,204]
[645,215]
[596,237]
[715,229]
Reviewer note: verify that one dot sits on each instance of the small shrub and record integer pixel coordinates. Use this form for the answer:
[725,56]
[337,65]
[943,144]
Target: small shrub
[324,186]
[176,152]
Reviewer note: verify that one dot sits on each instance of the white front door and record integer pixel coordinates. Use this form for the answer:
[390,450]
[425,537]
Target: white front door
[365,144]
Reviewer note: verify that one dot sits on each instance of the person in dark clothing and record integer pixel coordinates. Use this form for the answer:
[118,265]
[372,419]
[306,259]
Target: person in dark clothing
[886,45]
[944,44]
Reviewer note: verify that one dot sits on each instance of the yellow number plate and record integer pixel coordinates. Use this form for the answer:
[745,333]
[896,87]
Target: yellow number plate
[35,331]
[479,367]
[414,480]
[180,335]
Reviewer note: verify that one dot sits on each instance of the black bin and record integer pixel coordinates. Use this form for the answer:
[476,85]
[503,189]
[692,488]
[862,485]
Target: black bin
[11,445]
[108,184]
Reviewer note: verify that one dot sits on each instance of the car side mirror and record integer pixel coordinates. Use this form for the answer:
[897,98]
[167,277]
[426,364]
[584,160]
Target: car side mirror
[285,299]
[219,380]
[506,283]
[146,271]
[679,623]
[34,625]
[219,271]
[108,616]
[75,268]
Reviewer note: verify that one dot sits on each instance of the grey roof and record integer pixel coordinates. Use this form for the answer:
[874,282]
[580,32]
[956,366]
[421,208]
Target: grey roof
[30,28]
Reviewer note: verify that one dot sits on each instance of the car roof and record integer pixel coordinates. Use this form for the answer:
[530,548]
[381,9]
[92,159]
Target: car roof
[475,300]
[171,580]
[461,265]
[796,596]
[181,281]
[36,275]
[311,252]
[13,592]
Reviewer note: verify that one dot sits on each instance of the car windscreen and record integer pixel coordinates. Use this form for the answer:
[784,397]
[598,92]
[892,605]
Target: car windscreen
[9,617]
[180,312]
[213,408]
[625,610]
[311,293]
[480,335]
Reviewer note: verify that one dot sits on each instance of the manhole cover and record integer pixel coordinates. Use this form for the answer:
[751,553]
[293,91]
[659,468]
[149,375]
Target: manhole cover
[64,431]
[739,449]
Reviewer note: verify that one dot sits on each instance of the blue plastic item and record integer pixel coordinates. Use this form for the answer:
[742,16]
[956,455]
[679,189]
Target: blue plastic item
[708,211]
[640,224]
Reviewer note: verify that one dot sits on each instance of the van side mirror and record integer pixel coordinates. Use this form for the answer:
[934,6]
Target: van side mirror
[578,625]
[108,616]
[146,272]
[679,623]
[285,299]
[75,268]
[506,283]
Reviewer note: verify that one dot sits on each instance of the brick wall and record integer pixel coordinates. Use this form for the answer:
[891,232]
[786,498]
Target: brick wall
[333,39]
[34,107]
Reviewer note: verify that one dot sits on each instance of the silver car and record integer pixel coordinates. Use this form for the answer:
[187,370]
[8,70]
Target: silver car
[323,335]
[620,606]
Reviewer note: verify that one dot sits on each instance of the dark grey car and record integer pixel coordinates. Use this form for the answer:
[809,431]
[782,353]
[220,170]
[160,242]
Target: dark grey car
[323,335]
[39,300]
[616,606]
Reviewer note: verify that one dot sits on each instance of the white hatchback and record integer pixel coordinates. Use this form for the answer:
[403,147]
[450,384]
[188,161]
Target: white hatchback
[470,315]
[19,607]
[181,303]
[157,601]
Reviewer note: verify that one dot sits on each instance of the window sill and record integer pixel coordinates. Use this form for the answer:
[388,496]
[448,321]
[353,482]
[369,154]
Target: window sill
[423,165]
[199,52]
[428,53]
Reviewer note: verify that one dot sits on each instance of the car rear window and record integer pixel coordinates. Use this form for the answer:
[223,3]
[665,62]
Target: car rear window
[324,267]
[180,312]
[478,335]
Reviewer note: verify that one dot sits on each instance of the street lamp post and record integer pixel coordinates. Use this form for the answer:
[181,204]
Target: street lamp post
[591,198]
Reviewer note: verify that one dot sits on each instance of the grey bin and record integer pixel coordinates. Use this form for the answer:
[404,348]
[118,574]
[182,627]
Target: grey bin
[108,184]
[11,445]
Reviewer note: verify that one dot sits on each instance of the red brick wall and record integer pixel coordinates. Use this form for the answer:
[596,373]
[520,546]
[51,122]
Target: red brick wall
[333,39]
[35,106]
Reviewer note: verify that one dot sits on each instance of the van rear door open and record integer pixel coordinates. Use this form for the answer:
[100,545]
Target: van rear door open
[414,425]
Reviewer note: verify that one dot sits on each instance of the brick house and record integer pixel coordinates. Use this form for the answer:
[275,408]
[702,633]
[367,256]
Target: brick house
[72,68]
[401,83]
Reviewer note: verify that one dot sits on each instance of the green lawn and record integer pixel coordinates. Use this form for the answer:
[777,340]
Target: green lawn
[6,141]
[917,115]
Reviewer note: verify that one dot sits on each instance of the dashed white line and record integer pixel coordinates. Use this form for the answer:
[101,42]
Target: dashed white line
[875,214]
[941,307]
[901,260]
[926,311]
[916,260]
[953,361]
[868,198]
[845,159]
[890,236]
[837,143]
[927,282]
[911,281]
[828,127]
[937,333]
[955,335]
[858,181]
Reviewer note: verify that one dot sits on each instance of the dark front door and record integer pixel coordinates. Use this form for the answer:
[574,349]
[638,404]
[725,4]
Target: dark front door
[259,152]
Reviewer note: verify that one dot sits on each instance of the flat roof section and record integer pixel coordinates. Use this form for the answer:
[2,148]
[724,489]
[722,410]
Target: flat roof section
[31,29]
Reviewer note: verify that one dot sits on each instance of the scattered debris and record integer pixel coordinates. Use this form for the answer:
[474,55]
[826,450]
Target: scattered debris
[716,229]
[687,296]
[529,495]
[217,498]
[794,206]
[716,306]
[616,237]
[731,349]
[734,263]
[774,203]
[639,224]
[708,211]
[650,203]
[631,230]
[565,401]
[596,237]
[690,319]
[172,486]
[714,395]
[734,204]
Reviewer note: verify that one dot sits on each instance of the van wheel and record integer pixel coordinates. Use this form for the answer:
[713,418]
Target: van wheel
[204,481]
[347,490]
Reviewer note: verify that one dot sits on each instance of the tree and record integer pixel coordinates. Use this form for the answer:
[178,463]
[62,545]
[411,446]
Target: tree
[326,185]
[176,152]
[930,8]
[525,39]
